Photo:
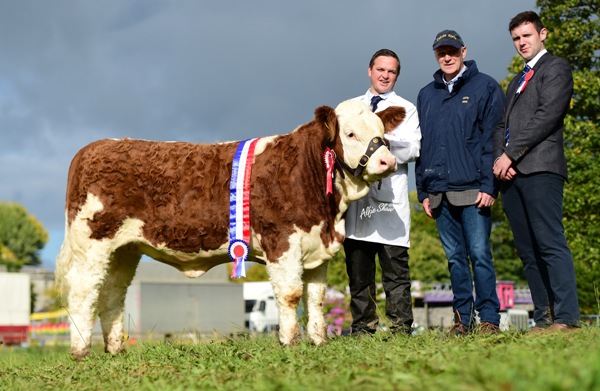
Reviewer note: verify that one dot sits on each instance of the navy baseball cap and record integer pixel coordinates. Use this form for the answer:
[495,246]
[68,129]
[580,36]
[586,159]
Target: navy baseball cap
[448,38]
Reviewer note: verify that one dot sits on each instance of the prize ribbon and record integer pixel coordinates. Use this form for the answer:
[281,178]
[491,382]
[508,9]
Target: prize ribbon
[239,207]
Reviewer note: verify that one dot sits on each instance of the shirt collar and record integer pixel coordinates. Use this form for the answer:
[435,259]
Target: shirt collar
[383,96]
[450,84]
[534,60]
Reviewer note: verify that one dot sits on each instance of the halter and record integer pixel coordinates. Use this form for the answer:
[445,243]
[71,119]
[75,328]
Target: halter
[374,145]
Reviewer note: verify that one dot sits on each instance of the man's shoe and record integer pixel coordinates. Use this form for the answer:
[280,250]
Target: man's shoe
[537,330]
[359,333]
[488,328]
[562,328]
[457,329]
[401,330]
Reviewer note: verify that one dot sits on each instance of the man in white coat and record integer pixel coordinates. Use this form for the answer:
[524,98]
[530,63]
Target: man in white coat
[379,224]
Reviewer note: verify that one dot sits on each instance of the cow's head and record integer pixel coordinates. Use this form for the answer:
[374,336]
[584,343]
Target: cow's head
[361,135]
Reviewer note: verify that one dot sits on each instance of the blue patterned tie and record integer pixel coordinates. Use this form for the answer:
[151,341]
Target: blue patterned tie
[522,79]
[375,101]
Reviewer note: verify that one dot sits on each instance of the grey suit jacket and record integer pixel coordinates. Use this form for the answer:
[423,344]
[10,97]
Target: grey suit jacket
[536,118]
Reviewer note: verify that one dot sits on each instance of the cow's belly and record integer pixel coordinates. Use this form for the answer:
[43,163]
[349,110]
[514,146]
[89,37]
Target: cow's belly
[195,264]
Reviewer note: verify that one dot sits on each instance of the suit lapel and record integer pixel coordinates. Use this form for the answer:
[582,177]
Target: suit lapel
[512,87]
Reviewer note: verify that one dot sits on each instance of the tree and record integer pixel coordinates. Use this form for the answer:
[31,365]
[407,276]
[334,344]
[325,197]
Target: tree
[573,33]
[506,260]
[21,237]
[428,261]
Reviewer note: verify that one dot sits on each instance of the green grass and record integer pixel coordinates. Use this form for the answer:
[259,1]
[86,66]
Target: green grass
[510,361]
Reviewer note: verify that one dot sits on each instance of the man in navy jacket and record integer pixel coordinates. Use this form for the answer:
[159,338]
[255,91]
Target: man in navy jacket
[458,112]
[530,160]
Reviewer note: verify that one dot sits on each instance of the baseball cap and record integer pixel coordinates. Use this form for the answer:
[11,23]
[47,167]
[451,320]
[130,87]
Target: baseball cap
[448,38]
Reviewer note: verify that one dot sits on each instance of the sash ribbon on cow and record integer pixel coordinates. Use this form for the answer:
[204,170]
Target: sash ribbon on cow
[239,206]
[333,162]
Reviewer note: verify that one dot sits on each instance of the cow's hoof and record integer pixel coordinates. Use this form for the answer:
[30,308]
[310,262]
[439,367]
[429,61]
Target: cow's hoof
[294,340]
[114,350]
[319,341]
[79,355]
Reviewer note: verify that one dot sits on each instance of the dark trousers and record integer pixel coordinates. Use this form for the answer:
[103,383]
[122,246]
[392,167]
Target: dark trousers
[360,265]
[533,206]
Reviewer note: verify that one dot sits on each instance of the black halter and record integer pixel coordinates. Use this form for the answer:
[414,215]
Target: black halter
[374,145]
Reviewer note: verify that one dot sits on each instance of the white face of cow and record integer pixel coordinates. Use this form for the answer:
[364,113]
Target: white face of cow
[358,126]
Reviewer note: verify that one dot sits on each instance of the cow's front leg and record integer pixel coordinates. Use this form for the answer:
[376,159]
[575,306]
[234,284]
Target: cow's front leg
[286,278]
[314,296]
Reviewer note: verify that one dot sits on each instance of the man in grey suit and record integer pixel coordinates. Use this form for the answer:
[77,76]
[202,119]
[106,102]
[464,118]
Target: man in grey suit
[530,160]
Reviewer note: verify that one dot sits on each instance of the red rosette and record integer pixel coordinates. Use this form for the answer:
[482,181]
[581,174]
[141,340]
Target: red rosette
[238,249]
[329,159]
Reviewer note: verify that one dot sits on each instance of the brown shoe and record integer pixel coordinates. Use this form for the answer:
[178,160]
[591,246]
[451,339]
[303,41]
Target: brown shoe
[537,330]
[488,328]
[457,329]
[562,328]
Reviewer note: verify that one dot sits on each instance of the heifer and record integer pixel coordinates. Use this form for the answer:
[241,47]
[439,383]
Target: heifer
[171,201]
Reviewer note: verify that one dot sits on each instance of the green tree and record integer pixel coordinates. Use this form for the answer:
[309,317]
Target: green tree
[337,277]
[506,260]
[573,33]
[428,261]
[21,237]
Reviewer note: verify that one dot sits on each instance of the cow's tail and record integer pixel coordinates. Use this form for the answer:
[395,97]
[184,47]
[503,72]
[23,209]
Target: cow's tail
[63,265]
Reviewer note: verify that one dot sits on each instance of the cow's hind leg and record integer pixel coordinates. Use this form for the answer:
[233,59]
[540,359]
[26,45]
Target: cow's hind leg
[84,278]
[314,296]
[111,302]
[286,277]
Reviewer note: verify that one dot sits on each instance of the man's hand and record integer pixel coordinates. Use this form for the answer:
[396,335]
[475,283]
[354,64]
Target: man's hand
[484,200]
[503,168]
[427,208]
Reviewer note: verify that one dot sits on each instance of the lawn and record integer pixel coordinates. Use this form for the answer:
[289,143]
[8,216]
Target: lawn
[430,361]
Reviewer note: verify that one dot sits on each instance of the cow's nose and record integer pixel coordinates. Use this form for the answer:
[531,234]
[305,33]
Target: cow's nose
[387,163]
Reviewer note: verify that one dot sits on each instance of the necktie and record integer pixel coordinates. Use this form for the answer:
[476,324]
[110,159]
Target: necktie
[526,75]
[375,101]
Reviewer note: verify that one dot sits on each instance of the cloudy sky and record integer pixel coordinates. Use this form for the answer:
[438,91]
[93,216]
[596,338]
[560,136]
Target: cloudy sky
[201,71]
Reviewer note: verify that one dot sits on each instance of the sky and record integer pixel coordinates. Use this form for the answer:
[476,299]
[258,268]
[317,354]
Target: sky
[72,72]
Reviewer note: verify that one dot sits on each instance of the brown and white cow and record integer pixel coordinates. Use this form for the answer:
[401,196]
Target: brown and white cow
[170,201]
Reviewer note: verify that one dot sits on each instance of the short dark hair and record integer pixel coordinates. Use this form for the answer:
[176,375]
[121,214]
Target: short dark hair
[526,17]
[385,53]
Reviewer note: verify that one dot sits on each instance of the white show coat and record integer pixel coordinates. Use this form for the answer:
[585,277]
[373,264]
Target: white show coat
[383,215]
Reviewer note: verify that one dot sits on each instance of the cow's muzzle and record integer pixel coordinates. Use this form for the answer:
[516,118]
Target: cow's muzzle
[374,145]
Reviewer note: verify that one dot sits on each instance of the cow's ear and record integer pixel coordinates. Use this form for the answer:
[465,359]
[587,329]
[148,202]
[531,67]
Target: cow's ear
[391,117]
[327,117]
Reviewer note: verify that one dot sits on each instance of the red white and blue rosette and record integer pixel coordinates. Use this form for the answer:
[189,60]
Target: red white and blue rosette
[239,206]
[238,252]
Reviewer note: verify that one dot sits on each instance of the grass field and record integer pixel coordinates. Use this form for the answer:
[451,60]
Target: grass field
[430,361]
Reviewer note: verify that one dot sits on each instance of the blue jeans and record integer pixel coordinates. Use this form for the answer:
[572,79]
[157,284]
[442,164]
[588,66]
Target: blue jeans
[465,235]
[533,206]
